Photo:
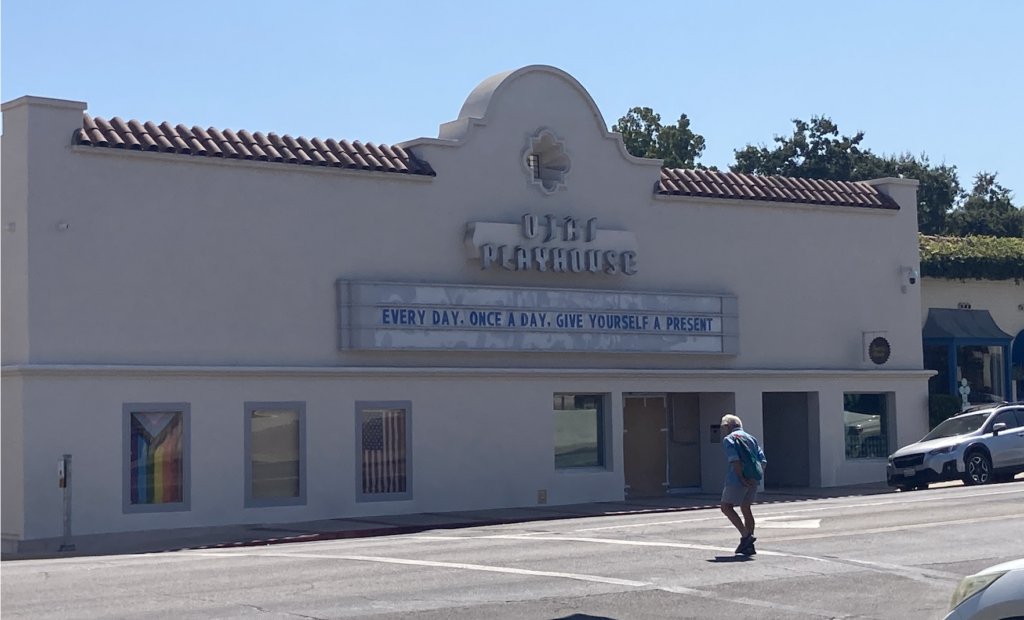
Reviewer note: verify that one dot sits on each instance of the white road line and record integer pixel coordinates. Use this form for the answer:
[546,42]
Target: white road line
[895,528]
[502,569]
[911,571]
[459,565]
[755,602]
[908,572]
[535,573]
[652,523]
[635,543]
[914,500]
[791,522]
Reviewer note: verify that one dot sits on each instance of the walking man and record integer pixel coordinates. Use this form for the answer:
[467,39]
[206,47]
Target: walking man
[746,469]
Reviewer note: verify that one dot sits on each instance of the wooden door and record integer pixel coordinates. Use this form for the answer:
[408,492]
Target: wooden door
[643,446]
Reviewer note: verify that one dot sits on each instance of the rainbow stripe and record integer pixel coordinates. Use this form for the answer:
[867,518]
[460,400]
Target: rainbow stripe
[156,453]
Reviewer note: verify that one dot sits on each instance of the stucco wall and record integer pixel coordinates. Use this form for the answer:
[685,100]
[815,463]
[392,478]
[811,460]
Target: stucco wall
[199,261]
[12,518]
[480,439]
[14,247]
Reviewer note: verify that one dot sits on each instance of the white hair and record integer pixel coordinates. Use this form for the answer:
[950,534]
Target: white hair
[732,420]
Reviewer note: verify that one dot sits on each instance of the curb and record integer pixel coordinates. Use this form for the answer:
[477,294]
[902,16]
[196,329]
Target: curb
[392,530]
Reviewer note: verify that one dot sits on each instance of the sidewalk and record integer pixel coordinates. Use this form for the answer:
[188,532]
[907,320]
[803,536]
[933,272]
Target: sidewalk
[151,541]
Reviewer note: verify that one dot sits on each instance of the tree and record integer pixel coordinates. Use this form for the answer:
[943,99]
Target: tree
[645,136]
[988,210]
[816,150]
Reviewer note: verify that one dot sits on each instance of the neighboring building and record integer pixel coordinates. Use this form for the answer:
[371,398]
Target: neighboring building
[974,330]
[230,328]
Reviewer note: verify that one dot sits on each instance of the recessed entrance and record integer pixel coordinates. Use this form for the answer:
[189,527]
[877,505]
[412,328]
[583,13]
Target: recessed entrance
[663,441]
[787,431]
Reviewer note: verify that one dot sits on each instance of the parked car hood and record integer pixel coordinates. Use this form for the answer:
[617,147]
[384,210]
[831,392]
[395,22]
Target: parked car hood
[998,568]
[925,446]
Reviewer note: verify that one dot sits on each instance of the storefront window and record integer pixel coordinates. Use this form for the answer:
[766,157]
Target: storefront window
[579,436]
[865,418]
[275,452]
[384,451]
[983,367]
[936,357]
[156,457]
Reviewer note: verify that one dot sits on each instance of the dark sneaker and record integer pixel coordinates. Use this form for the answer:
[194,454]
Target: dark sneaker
[747,545]
[746,541]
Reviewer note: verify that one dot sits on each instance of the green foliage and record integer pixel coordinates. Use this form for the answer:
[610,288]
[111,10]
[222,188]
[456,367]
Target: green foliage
[972,258]
[988,210]
[941,407]
[645,136]
[817,151]
[814,151]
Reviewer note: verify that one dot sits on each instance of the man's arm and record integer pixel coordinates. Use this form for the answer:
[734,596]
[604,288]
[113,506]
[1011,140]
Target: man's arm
[738,468]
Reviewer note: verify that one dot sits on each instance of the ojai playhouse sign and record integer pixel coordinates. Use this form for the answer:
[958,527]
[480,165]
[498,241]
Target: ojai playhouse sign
[438,317]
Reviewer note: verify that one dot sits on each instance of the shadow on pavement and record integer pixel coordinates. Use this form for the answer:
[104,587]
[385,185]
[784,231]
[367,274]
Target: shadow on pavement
[583,617]
[718,559]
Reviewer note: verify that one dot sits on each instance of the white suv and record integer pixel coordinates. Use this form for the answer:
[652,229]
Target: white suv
[980,446]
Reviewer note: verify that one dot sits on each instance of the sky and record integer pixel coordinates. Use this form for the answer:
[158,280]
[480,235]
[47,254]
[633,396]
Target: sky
[935,77]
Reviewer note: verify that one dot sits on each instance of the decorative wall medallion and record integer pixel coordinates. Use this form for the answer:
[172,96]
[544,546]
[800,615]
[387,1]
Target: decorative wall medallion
[545,161]
[879,350]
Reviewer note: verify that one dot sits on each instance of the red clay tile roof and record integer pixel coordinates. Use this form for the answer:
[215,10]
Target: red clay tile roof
[164,138]
[709,184]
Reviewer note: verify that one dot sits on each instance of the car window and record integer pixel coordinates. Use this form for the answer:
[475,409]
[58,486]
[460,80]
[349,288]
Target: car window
[960,425]
[1004,417]
[1020,417]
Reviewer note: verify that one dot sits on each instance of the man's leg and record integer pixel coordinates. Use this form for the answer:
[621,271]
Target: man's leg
[730,511]
[748,517]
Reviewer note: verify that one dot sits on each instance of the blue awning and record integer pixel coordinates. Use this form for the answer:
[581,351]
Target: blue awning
[950,324]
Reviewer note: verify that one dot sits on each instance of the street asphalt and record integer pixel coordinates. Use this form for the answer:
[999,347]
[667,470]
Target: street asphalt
[883,556]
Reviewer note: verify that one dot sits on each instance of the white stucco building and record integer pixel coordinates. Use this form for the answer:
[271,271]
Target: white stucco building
[230,328]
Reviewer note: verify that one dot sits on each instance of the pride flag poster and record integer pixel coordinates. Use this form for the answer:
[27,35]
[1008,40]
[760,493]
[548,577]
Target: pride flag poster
[156,453]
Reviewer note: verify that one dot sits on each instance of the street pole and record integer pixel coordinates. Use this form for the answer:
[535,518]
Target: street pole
[64,470]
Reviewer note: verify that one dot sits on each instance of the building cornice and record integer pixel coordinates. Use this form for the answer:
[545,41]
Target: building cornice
[377,372]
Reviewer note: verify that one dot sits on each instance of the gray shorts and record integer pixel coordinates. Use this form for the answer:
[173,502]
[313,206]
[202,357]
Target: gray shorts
[737,494]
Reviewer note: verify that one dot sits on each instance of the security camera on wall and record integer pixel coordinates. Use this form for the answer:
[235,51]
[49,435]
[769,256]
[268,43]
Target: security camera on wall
[911,275]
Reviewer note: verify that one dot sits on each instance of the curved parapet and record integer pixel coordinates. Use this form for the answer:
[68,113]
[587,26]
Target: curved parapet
[481,103]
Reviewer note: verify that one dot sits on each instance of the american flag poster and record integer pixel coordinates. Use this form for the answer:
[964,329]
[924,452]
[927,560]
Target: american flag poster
[384,451]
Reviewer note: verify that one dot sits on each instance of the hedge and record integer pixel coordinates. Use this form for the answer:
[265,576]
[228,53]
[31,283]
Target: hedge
[972,258]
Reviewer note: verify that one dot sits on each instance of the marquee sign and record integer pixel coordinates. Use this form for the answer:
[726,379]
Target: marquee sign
[390,316]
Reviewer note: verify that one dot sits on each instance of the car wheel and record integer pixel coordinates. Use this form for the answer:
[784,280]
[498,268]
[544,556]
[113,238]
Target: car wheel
[979,468]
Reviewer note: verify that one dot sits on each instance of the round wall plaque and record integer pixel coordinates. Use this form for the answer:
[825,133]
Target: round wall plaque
[878,350]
